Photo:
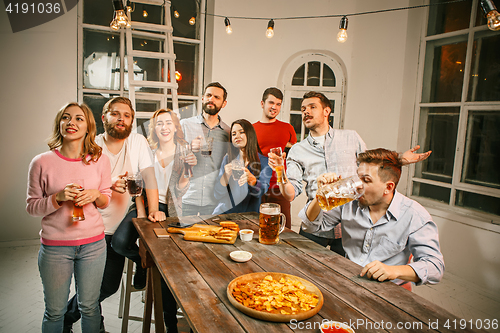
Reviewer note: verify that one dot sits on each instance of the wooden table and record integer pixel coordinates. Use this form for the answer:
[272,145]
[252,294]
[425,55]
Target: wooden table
[198,274]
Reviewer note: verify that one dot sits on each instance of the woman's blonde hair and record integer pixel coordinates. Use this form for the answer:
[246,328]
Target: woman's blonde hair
[89,146]
[153,138]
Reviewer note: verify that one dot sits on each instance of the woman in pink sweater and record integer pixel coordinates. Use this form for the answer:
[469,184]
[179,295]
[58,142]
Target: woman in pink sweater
[72,173]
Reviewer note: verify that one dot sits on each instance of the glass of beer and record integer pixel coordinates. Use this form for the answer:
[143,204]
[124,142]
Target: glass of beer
[77,210]
[207,146]
[271,223]
[238,169]
[279,167]
[185,150]
[134,185]
[339,193]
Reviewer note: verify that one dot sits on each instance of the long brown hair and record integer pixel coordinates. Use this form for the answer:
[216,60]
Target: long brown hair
[252,148]
[89,146]
[153,138]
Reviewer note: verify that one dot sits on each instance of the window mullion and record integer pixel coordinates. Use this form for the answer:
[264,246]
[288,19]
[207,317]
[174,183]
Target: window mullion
[321,74]
[460,153]
[122,63]
[79,79]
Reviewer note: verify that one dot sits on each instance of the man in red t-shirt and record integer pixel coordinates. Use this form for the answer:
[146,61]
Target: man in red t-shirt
[273,133]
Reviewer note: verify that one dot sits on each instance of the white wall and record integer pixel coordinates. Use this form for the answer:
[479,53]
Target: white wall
[38,76]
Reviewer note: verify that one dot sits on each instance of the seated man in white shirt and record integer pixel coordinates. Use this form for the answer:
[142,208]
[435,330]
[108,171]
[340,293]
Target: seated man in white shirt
[383,228]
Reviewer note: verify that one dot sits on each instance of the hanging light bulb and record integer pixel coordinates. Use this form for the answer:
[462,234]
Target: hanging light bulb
[144,13]
[229,30]
[192,20]
[270,29]
[120,19]
[176,14]
[114,25]
[492,14]
[342,35]
[178,76]
[129,6]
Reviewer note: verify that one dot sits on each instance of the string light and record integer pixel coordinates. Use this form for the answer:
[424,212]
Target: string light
[178,76]
[270,29]
[129,6]
[176,13]
[192,20]
[144,13]
[229,30]
[120,20]
[342,35]
[492,15]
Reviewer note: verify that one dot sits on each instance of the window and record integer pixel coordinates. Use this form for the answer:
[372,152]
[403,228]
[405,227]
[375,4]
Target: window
[312,71]
[458,111]
[103,51]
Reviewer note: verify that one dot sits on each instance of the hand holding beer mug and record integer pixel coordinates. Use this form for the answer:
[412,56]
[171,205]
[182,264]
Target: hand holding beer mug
[278,168]
[271,223]
[338,193]
[77,210]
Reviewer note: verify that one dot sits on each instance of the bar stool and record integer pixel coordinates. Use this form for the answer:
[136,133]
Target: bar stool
[127,289]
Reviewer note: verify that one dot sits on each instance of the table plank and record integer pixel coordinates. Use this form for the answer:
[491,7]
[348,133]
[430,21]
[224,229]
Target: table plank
[411,303]
[218,275]
[271,262]
[203,308]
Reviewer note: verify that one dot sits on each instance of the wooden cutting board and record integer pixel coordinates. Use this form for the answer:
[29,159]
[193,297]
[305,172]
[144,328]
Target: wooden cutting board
[199,233]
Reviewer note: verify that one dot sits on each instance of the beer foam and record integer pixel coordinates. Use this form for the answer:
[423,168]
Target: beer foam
[270,211]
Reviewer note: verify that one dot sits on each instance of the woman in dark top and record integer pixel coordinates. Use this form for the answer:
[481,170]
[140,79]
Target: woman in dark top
[242,193]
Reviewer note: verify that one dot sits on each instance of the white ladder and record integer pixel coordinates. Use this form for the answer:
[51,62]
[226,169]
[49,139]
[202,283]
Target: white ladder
[158,32]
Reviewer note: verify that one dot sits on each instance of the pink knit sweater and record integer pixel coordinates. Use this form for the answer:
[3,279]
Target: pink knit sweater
[49,173]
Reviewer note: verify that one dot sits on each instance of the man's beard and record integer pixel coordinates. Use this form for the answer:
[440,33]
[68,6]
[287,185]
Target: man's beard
[114,133]
[211,112]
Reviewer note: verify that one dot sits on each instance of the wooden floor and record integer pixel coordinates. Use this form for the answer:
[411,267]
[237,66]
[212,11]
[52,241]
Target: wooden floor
[21,297]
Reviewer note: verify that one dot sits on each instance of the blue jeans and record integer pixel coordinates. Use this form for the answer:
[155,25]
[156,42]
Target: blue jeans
[125,239]
[57,265]
[109,284]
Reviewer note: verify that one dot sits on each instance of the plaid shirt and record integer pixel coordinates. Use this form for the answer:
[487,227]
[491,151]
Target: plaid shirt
[205,172]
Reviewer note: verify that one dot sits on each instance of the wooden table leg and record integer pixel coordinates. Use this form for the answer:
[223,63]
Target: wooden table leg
[148,303]
[156,279]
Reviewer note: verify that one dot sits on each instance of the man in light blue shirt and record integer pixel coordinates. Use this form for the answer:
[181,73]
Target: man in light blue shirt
[382,228]
[324,150]
[199,198]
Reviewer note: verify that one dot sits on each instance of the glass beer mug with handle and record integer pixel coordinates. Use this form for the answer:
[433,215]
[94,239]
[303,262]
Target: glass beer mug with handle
[271,223]
[335,194]
[135,185]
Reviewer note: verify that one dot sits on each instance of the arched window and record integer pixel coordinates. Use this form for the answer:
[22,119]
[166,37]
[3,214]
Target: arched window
[317,71]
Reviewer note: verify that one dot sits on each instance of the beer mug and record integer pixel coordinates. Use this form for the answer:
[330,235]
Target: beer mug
[339,193]
[271,223]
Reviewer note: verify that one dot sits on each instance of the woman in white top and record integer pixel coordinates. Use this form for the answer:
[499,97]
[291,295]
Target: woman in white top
[165,138]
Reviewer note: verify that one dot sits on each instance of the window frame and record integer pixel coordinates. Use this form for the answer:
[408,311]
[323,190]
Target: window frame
[142,96]
[465,107]
[290,91]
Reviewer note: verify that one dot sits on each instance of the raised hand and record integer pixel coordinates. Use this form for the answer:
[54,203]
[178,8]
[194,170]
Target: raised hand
[410,157]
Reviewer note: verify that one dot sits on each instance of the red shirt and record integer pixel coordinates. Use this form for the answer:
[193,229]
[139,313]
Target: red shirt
[273,135]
